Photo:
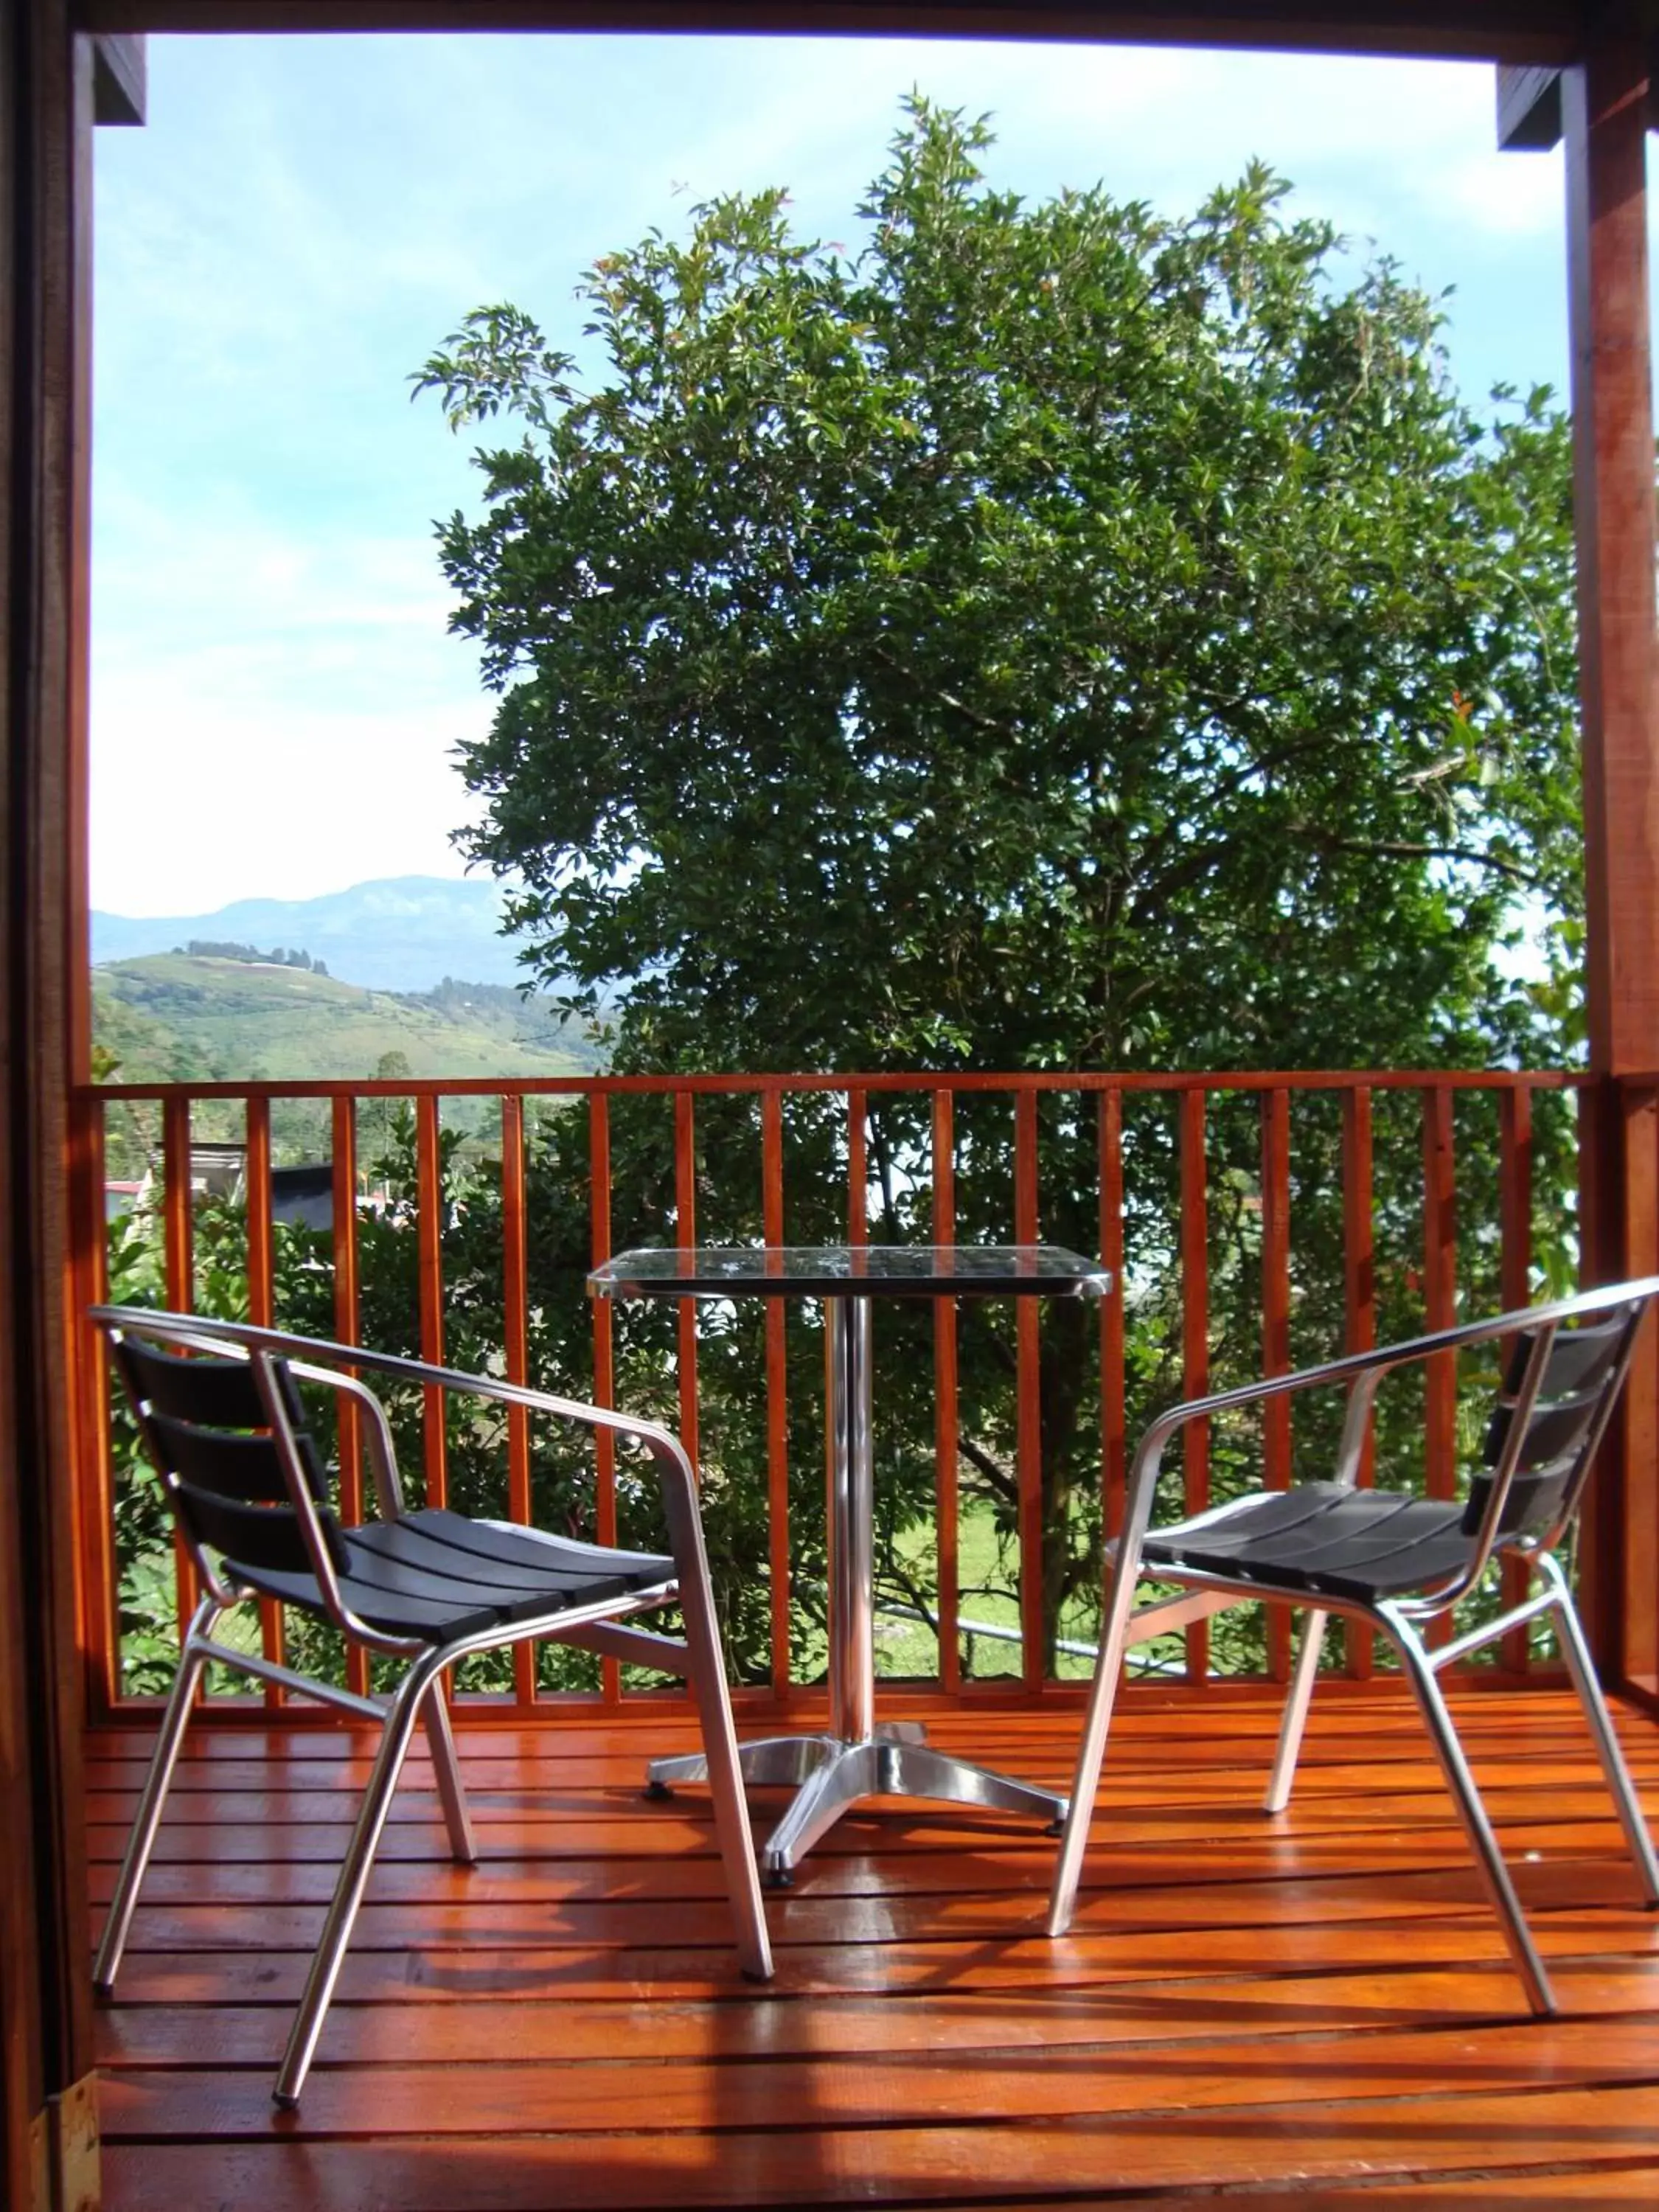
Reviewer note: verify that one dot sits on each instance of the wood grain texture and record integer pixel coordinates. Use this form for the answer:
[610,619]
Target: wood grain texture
[1547,32]
[1292,2005]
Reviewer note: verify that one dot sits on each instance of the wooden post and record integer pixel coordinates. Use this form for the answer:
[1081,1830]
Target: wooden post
[1604,103]
[48,2134]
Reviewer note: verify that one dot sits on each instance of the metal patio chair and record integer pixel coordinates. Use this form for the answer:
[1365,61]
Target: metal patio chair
[1394,1559]
[220,1410]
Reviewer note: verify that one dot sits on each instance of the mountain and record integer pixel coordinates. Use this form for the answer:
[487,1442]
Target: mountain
[405,933]
[175,1017]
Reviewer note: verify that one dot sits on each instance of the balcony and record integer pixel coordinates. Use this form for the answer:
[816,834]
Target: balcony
[1302,2003]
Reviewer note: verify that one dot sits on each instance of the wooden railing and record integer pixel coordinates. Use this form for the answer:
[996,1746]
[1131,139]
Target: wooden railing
[1195,1180]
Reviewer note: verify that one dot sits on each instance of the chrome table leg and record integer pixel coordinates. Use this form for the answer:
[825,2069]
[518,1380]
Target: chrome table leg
[857,1757]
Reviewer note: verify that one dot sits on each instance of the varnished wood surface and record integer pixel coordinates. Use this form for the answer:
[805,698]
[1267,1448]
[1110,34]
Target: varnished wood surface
[1537,31]
[1315,2008]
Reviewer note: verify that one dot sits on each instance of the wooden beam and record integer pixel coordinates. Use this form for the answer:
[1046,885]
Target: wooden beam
[1546,32]
[45,122]
[1604,105]
[1604,111]
[1528,107]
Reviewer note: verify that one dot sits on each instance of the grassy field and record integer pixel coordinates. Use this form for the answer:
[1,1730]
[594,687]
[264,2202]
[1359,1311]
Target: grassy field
[177,1017]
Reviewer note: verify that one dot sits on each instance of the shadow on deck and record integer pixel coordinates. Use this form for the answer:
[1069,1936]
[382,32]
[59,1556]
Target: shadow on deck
[1313,2007]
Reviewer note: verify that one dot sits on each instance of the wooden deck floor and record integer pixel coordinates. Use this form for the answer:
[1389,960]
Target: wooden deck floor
[1310,2010]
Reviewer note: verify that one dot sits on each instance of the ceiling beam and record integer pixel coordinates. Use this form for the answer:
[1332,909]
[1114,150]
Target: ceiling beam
[1545,33]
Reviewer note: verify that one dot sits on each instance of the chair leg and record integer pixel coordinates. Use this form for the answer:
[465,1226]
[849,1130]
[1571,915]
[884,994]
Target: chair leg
[706,1668]
[446,1769]
[1473,1813]
[142,1841]
[1303,1682]
[1102,1696]
[411,1694]
[1581,1666]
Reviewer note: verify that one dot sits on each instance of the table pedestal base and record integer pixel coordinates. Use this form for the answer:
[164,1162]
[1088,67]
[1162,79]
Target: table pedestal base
[829,1774]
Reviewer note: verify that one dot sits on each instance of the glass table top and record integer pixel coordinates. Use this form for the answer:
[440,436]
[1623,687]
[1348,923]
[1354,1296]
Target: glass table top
[852,1270]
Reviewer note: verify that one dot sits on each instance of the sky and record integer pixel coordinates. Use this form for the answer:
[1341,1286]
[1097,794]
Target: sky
[275,698]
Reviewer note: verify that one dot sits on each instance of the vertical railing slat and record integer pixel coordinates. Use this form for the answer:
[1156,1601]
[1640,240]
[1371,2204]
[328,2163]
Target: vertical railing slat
[515,1348]
[429,1233]
[1195,1338]
[947,1496]
[348,1323]
[178,1269]
[947,1503]
[1440,1303]
[1114,1439]
[1515,1224]
[94,1461]
[1439,1287]
[777,1397]
[858,1168]
[604,1345]
[262,1312]
[1358,1300]
[1028,1404]
[685,1233]
[1276,1329]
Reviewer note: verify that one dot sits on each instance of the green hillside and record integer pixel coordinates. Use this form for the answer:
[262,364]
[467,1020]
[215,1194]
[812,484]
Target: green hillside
[176,1018]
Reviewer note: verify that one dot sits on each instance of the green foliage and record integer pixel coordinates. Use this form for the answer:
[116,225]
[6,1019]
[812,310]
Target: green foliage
[1057,637]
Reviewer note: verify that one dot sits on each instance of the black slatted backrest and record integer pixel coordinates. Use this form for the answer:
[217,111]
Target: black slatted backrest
[206,1427]
[1583,1371]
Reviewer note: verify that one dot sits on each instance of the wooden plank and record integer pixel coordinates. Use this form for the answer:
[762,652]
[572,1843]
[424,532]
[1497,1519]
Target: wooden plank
[604,1341]
[1113,1440]
[946,1492]
[1514,1164]
[950,2162]
[515,1334]
[685,1235]
[429,1248]
[895,2085]
[45,214]
[1604,116]
[1170,2016]
[858,1167]
[1397,1959]
[94,1480]
[1027,1423]
[178,1279]
[1359,1305]
[262,1312]
[1276,1330]
[1439,1293]
[348,1328]
[1194,1339]
[1546,32]
[777,1399]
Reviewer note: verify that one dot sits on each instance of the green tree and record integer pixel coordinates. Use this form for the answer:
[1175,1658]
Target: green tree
[1056,636]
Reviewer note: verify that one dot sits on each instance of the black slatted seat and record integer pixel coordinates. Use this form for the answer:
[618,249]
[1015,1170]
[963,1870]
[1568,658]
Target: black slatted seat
[438,1575]
[1322,1538]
